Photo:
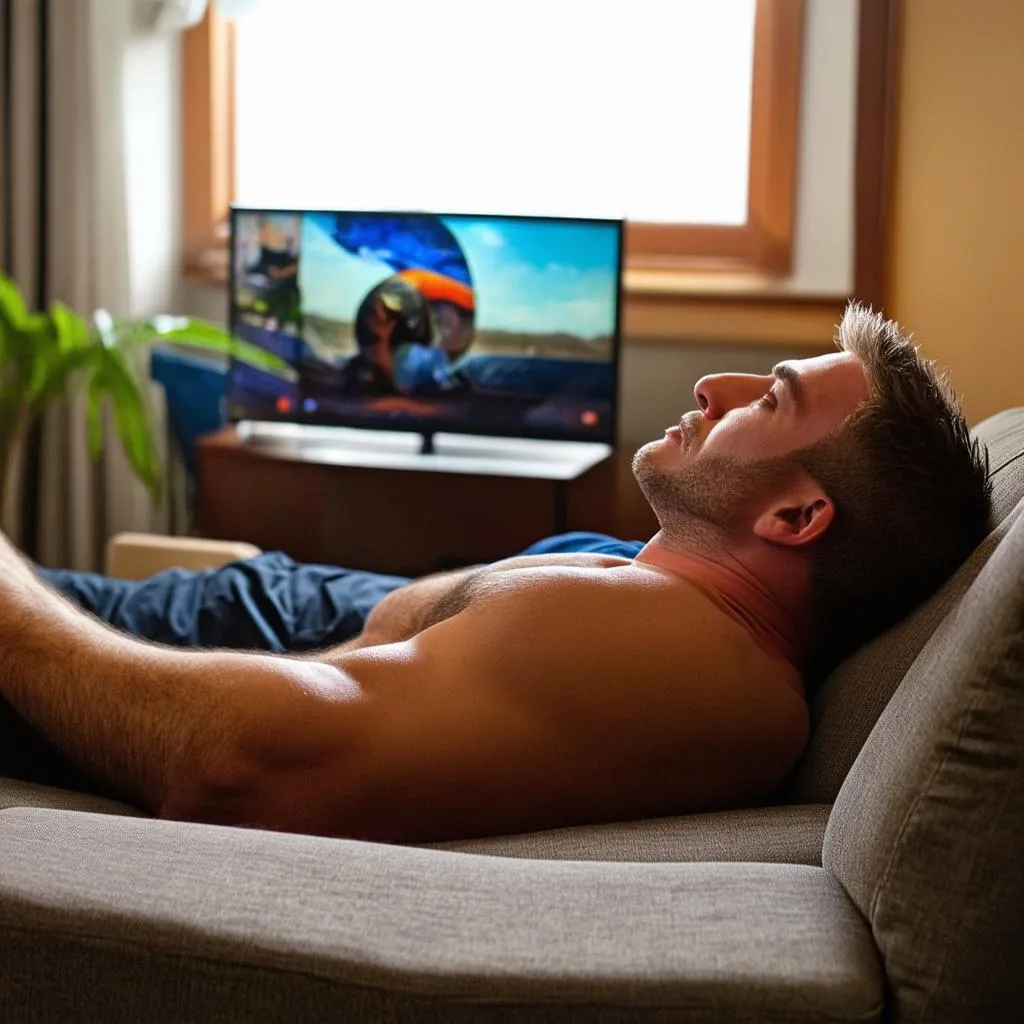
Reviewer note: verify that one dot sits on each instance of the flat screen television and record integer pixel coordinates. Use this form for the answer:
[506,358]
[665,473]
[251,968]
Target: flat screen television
[500,325]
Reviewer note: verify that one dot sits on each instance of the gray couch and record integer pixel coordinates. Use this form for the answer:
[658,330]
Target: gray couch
[888,886]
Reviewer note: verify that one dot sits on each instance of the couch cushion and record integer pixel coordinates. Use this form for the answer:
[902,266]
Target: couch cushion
[790,835]
[845,709]
[15,793]
[848,703]
[925,834]
[1003,435]
[106,920]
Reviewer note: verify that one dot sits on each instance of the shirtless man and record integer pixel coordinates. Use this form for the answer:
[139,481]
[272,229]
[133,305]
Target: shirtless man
[800,512]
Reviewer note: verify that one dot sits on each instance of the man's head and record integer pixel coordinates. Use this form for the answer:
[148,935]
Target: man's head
[859,463]
[727,469]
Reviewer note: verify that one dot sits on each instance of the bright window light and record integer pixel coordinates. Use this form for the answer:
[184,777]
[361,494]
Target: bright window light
[560,107]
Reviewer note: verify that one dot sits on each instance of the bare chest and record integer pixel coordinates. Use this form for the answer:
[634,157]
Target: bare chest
[518,581]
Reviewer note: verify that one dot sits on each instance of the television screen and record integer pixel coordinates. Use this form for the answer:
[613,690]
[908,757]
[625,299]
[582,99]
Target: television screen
[428,322]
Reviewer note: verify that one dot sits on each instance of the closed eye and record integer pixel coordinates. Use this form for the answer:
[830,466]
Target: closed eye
[768,401]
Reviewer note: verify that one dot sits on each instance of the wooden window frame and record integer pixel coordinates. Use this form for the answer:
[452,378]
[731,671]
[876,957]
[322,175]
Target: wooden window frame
[688,308]
[208,145]
[764,243]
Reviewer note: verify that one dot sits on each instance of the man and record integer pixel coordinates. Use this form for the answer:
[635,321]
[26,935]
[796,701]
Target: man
[799,513]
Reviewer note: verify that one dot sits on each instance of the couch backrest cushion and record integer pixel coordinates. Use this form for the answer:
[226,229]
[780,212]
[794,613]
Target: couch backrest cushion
[1003,435]
[848,703]
[925,834]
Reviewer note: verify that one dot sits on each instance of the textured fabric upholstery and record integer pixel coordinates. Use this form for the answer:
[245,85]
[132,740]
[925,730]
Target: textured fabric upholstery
[15,793]
[790,835]
[771,834]
[109,919]
[850,700]
[845,709]
[1003,435]
[926,833]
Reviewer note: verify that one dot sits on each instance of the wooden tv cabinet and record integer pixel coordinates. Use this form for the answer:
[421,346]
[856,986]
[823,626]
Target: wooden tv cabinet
[393,515]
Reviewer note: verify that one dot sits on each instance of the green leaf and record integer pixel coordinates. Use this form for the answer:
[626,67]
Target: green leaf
[251,354]
[132,418]
[200,334]
[22,325]
[69,328]
[60,346]
[12,307]
[44,356]
[60,370]
[94,414]
[172,328]
[44,359]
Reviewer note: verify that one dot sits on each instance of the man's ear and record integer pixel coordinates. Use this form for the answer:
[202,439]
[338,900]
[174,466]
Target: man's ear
[801,514]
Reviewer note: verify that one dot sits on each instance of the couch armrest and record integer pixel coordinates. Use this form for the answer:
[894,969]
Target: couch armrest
[167,921]
[136,556]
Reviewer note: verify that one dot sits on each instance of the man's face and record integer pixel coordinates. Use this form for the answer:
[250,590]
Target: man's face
[721,456]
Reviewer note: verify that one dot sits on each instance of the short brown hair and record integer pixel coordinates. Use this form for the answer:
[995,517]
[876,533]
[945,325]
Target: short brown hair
[910,488]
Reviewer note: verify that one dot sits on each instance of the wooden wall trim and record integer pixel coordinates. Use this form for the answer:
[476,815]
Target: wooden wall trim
[806,323]
[208,143]
[765,241]
[878,52]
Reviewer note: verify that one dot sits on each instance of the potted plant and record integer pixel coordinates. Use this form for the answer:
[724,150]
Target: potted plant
[44,357]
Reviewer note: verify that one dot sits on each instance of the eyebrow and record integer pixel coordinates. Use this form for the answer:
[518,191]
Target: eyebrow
[790,379]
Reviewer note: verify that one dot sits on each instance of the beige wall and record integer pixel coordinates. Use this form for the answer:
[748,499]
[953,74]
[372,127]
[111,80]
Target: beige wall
[956,271]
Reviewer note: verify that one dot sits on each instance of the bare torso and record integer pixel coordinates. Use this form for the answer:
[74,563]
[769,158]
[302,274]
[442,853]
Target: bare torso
[570,689]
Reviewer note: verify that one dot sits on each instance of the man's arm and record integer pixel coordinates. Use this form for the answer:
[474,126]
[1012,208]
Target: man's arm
[157,725]
[461,730]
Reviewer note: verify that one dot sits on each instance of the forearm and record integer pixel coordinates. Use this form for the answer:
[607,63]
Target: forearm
[59,671]
[140,719]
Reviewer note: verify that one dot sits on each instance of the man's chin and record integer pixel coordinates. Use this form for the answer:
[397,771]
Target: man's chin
[689,494]
[644,457]
[654,480]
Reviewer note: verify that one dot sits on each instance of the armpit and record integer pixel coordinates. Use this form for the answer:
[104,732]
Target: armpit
[454,601]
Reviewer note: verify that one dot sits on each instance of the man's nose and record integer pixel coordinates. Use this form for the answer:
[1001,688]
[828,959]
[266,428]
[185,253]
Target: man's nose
[717,393]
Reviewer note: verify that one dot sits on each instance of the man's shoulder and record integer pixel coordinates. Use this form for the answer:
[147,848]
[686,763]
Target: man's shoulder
[578,622]
[560,559]
[547,593]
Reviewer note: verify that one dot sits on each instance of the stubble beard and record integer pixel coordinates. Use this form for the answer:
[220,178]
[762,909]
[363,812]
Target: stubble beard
[705,502]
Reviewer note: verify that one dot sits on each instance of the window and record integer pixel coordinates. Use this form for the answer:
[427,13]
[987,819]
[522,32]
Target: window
[681,117]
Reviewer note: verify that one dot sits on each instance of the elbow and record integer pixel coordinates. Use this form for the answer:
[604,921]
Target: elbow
[214,788]
[287,753]
[314,798]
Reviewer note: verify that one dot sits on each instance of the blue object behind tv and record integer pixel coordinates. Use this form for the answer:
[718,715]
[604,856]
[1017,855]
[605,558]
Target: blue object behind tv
[195,387]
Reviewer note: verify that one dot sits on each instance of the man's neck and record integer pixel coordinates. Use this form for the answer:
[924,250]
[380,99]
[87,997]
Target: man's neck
[775,580]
